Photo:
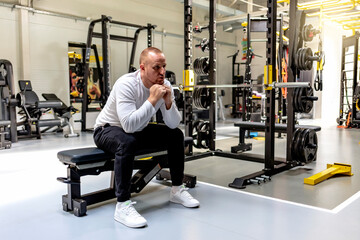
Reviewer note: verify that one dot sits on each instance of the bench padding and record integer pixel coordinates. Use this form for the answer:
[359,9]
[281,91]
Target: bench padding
[83,155]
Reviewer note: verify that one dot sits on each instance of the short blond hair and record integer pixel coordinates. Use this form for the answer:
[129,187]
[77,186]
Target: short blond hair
[144,54]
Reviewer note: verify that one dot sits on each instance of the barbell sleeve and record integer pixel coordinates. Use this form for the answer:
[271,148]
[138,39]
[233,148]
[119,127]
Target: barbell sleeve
[313,58]
[291,85]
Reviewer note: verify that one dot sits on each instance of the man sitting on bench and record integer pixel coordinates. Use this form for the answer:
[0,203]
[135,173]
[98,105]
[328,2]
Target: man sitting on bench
[122,128]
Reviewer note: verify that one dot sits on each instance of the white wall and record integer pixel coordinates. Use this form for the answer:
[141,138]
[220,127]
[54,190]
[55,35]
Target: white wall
[332,72]
[9,42]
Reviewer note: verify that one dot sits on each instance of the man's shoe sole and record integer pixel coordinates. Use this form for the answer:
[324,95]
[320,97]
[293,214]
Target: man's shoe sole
[129,225]
[185,205]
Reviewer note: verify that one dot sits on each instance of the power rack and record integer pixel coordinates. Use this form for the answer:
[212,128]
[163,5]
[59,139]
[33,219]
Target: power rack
[271,167]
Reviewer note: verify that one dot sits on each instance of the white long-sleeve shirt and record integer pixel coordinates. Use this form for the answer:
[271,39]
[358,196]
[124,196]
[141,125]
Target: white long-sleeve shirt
[128,107]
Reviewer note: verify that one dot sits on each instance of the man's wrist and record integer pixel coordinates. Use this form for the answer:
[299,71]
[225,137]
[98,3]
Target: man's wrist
[152,101]
[168,105]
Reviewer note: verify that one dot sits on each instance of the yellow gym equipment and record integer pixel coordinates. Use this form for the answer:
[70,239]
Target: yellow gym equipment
[332,169]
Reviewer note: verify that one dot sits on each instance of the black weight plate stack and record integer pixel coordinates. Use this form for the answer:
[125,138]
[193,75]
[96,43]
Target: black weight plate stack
[205,98]
[309,145]
[303,59]
[205,65]
[198,96]
[194,96]
[297,57]
[197,68]
[195,133]
[298,146]
[299,99]
[295,101]
[293,144]
[306,103]
[308,63]
[204,134]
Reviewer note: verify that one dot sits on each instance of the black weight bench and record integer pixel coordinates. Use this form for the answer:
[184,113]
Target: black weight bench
[258,126]
[93,161]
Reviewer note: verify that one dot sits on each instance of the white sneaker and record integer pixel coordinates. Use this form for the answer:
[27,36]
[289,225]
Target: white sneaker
[182,196]
[126,214]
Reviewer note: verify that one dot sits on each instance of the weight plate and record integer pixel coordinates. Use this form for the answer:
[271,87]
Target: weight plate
[308,103]
[194,96]
[297,57]
[303,59]
[295,101]
[308,146]
[202,98]
[293,145]
[301,145]
[307,33]
[308,62]
[204,134]
[198,105]
[195,133]
[299,99]
[205,98]
[296,143]
[198,95]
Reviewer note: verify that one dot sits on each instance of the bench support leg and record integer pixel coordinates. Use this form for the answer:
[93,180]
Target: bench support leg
[189,180]
[72,201]
[142,177]
[242,146]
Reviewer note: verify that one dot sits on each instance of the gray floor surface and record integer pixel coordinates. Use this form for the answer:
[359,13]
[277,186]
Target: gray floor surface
[285,208]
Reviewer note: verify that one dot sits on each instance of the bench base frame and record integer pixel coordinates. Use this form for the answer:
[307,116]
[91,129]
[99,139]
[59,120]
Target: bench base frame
[148,169]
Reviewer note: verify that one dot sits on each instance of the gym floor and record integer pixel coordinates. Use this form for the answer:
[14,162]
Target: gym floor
[284,208]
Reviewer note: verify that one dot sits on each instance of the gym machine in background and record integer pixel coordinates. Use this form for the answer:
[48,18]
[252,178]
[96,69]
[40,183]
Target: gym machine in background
[28,122]
[349,88]
[106,36]
[7,105]
[236,92]
[77,71]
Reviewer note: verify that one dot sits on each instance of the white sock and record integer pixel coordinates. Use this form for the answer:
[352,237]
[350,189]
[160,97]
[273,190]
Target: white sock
[122,203]
[175,189]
